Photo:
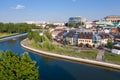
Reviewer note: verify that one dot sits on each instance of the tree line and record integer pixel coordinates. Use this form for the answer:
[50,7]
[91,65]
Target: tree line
[16,27]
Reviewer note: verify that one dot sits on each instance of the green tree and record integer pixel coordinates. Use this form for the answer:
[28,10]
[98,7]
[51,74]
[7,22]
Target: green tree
[48,35]
[36,36]
[10,28]
[14,67]
[16,28]
[110,44]
[1,27]
[30,34]
[48,45]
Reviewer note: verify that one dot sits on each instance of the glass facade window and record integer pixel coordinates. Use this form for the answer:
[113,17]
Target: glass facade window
[75,19]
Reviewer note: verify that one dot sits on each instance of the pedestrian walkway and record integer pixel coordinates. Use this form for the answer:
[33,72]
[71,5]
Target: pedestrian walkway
[100,55]
[94,62]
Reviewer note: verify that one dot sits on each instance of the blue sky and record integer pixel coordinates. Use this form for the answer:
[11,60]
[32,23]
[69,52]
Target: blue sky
[56,10]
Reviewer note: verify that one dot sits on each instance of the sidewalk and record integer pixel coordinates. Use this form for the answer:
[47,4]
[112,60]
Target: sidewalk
[100,55]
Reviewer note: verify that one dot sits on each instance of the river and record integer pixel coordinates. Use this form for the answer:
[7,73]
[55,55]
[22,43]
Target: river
[59,69]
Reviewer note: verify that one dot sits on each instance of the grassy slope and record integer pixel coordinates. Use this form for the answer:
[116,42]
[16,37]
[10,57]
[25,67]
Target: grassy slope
[112,57]
[91,54]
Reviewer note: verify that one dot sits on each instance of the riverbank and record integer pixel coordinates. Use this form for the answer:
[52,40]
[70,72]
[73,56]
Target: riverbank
[4,34]
[12,36]
[104,64]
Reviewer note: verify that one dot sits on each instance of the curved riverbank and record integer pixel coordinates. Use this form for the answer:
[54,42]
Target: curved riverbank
[12,37]
[104,64]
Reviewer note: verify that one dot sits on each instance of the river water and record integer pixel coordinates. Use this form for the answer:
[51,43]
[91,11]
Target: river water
[58,69]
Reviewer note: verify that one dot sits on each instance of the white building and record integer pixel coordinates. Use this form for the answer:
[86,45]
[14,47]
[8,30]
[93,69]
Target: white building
[116,49]
[88,24]
[113,18]
[107,30]
[57,23]
[37,23]
[104,23]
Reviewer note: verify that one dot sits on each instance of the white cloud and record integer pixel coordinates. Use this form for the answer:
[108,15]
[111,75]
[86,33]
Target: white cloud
[19,7]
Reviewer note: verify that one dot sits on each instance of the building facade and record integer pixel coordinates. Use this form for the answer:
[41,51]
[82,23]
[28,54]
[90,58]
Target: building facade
[113,18]
[87,38]
[77,19]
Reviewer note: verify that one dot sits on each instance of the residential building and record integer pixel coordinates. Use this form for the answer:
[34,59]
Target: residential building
[69,37]
[56,23]
[113,18]
[87,37]
[88,25]
[55,32]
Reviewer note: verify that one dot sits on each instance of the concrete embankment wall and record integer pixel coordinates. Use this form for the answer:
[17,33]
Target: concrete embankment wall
[103,64]
[12,37]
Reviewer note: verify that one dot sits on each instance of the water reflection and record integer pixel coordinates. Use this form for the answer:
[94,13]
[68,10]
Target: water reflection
[58,69]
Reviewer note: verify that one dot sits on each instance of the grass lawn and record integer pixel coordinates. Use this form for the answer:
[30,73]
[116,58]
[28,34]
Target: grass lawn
[89,54]
[112,57]
[64,50]
[4,34]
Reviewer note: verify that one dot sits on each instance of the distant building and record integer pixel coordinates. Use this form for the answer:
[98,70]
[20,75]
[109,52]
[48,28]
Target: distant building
[87,37]
[109,21]
[77,19]
[112,23]
[55,32]
[116,49]
[37,23]
[107,31]
[43,23]
[70,39]
[88,25]
[56,23]
[113,18]
[103,23]
[76,22]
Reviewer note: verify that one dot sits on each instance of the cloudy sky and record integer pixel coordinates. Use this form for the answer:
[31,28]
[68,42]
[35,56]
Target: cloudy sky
[56,10]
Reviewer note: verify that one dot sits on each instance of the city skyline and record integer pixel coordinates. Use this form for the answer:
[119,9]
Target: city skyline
[56,10]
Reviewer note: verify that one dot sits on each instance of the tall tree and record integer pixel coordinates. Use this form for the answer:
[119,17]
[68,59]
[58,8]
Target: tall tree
[30,34]
[14,67]
[48,35]
[36,36]
[110,44]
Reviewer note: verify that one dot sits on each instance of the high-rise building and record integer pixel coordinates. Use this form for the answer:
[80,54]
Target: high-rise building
[77,19]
